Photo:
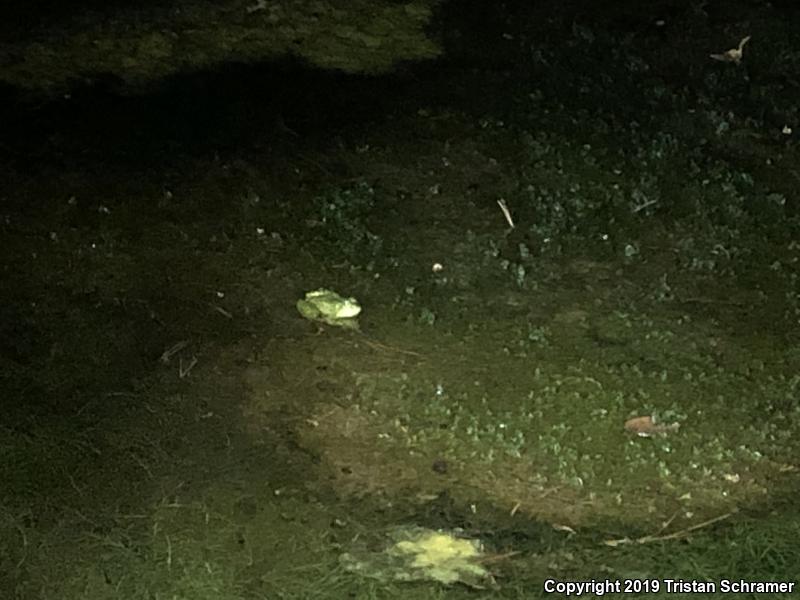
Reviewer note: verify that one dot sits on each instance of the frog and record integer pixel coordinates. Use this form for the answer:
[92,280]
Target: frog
[326,306]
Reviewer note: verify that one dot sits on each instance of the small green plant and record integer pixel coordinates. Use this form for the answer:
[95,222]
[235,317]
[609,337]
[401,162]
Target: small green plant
[427,317]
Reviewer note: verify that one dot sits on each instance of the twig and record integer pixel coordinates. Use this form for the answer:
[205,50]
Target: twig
[670,536]
[184,370]
[643,205]
[222,311]
[171,351]
[379,346]
[493,558]
[506,213]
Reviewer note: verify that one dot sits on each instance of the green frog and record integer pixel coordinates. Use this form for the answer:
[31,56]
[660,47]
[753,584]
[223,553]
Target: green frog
[326,306]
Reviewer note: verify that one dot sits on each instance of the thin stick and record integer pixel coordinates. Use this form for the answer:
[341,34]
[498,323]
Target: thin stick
[506,213]
[184,370]
[670,536]
[493,558]
[222,311]
[174,349]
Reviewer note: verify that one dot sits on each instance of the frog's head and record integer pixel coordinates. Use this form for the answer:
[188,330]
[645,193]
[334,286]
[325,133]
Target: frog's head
[348,308]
